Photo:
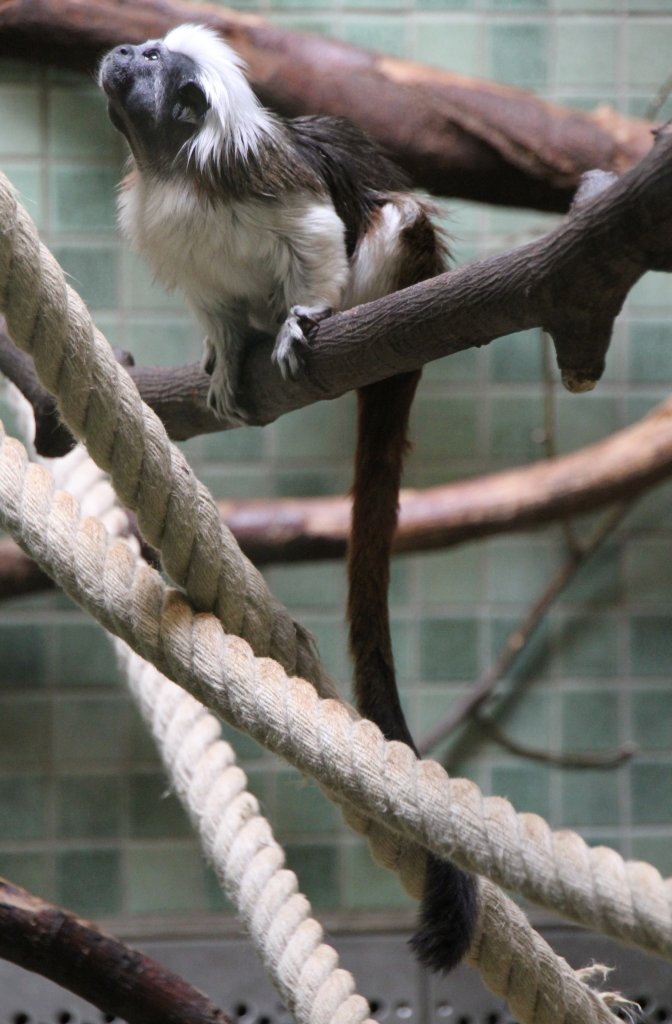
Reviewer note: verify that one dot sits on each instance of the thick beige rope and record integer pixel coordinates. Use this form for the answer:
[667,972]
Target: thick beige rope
[101,405]
[351,757]
[176,514]
[238,841]
[240,844]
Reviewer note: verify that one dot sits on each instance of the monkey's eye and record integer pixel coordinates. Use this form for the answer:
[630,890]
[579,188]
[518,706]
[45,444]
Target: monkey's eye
[152,54]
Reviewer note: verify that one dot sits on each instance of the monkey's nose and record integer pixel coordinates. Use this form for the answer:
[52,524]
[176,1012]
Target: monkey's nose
[115,68]
[126,50]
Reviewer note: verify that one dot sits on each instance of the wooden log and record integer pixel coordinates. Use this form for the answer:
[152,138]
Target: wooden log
[572,282]
[117,979]
[272,530]
[455,135]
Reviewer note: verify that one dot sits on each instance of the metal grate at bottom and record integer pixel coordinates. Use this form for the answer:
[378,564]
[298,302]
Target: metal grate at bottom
[398,991]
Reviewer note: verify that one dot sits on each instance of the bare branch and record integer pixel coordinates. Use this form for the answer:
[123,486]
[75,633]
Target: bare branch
[177,395]
[573,283]
[455,135]
[614,469]
[101,969]
[52,438]
[612,758]
[473,703]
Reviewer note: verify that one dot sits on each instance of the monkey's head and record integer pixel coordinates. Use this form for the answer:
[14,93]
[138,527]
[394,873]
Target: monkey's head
[183,97]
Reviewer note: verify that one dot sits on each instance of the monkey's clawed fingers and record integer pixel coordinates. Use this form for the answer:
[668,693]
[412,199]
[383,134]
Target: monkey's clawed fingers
[224,406]
[223,399]
[291,343]
[290,347]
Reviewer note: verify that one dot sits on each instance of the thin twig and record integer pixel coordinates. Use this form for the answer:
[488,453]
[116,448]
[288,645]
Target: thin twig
[658,99]
[522,634]
[611,758]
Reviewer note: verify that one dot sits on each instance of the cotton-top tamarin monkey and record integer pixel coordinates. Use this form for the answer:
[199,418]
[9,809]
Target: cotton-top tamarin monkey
[272,223]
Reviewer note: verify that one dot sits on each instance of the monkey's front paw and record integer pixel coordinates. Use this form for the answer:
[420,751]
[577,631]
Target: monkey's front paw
[289,351]
[291,343]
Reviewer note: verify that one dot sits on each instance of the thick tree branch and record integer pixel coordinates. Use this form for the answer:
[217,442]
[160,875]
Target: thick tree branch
[301,529]
[455,135]
[117,979]
[572,283]
[626,463]
[614,469]
[617,468]
[177,395]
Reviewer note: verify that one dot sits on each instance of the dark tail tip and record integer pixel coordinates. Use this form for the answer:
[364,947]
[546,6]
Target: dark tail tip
[448,916]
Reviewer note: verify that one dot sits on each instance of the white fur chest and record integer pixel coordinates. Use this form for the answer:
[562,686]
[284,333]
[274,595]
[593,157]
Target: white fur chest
[211,252]
[229,252]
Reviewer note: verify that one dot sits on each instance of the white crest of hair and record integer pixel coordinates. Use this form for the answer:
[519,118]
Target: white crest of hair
[236,123]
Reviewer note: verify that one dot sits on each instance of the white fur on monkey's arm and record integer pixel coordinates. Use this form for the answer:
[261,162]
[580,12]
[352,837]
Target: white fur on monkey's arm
[317,276]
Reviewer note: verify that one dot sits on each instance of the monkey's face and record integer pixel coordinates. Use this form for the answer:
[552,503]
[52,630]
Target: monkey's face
[154,99]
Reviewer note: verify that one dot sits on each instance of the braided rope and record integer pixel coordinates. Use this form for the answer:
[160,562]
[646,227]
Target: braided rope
[350,757]
[201,765]
[151,476]
[176,514]
[203,773]
[101,405]
[240,844]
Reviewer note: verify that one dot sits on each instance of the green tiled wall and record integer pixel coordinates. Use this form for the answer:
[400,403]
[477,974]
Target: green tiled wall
[85,812]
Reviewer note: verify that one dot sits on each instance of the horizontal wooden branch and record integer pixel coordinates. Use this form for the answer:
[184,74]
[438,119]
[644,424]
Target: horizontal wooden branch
[118,980]
[306,529]
[614,469]
[455,135]
[572,283]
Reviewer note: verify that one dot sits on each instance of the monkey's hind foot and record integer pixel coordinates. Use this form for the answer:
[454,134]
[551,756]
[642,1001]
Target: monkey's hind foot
[223,398]
[291,344]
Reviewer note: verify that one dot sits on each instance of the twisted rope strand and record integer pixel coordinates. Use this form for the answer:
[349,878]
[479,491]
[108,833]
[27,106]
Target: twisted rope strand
[154,486]
[212,788]
[239,843]
[101,405]
[175,512]
[350,757]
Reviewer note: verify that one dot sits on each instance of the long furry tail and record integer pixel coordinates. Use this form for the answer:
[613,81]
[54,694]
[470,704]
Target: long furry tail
[448,915]
[449,906]
[383,410]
